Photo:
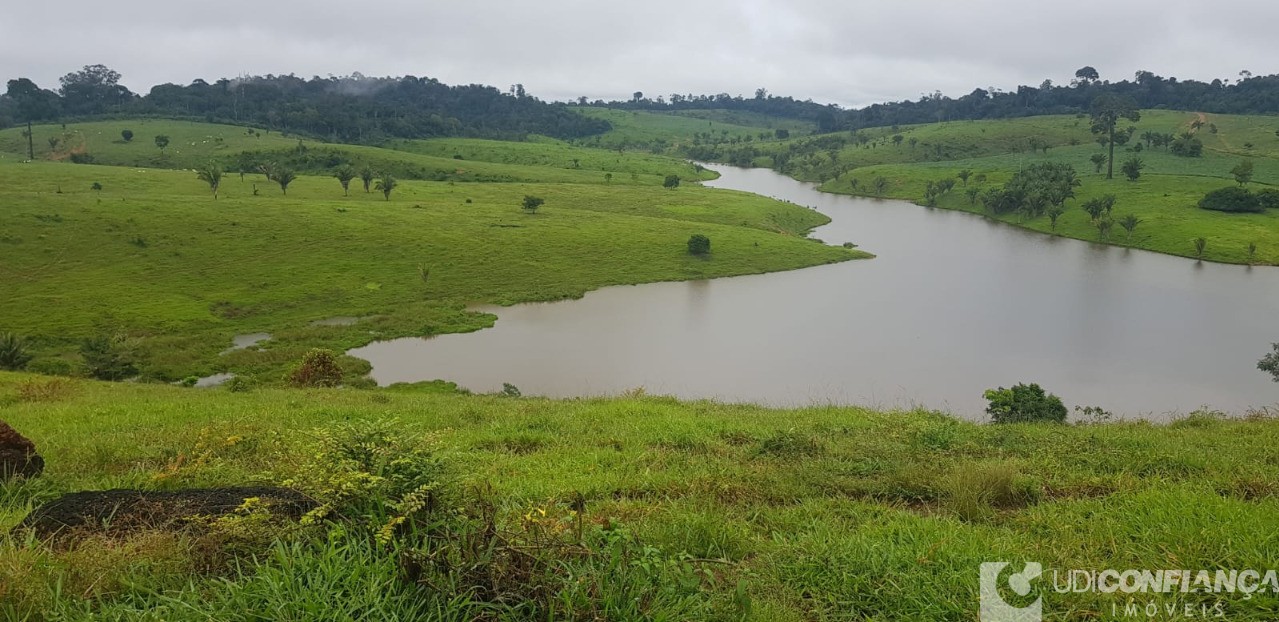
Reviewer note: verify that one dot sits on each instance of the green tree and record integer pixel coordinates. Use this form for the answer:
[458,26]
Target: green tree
[127,135]
[344,176]
[1129,223]
[897,139]
[1200,245]
[162,141]
[1242,172]
[1132,168]
[1104,225]
[1107,111]
[1086,75]
[1024,403]
[531,203]
[284,177]
[319,368]
[699,245]
[386,185]
[13,352]
[671,182]
[880,184]
[108,358]
[1270,362]
[608,178]
[972,193]
[1054,213]
[964,175]
[1098,160]
[367,176]
[211,174]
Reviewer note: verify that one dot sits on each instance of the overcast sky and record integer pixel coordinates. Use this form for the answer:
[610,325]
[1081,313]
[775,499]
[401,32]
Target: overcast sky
[852,53]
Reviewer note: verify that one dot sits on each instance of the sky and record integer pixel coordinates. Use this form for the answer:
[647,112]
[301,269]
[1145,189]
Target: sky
[851,53]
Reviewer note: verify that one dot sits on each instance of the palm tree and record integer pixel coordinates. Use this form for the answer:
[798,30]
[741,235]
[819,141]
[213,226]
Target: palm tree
[386,185]
[367,175]
[284,177]
[881,184]
[1252,252]
[1103,227]
[345,174]
[1054,213]
[1200,244]
[1129,223]
[211,174]
[964,175]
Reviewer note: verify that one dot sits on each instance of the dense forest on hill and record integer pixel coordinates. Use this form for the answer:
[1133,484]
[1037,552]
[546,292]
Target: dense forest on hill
[352,108]
[357,108]
[1247,95]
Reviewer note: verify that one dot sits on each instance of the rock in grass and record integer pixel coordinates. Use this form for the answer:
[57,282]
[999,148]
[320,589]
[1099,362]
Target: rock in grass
[118,512]
[18,457]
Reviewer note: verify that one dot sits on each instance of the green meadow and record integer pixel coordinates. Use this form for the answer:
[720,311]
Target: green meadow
[1165,198]
[632,508]
[154,257]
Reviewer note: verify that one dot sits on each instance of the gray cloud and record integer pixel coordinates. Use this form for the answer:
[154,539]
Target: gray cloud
[851,53]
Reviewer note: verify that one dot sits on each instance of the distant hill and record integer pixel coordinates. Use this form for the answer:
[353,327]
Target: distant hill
[350,109]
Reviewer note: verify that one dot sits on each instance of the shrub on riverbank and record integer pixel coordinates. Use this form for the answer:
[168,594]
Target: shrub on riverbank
[1232,199]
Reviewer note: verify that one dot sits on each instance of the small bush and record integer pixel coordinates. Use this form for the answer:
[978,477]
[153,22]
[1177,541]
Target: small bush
[13,352]
[108,358]
[319,368]
[510,390]
[699,245]
[1024,403]
[973,493]
[791,444]
[127,135]
[1232,199]
[81,158]
[1268,198]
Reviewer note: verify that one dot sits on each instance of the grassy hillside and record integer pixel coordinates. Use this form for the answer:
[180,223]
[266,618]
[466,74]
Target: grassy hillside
[1165,198]
[622,509]
[194,145]
[154,257]
[659,131]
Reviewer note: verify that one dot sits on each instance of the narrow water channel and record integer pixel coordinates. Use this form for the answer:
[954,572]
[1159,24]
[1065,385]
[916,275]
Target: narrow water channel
[954,304]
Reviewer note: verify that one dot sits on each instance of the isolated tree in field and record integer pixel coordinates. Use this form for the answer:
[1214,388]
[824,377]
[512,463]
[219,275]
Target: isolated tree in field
[913,141]
[96,187]
[671,182]
[162,141]
[897,139]
[367,176]
[1107,111]
[880,184]
[608,178]
[53,143]
[211,174]
[1087,75]
[284,177]
[1024,403]
[386,185]
[1129,223]
[531,203]
[964,175]
[699,245]
[1200,245]
[127,135]
[1132,168]
[1242,172]
[1098,160]
[1054,213]
[854,184]
[972,193]
[344,176]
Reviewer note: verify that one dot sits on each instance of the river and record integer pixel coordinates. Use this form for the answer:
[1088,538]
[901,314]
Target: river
[953,304]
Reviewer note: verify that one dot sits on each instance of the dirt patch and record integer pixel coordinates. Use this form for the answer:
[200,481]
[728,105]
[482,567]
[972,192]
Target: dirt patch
[18,457]
[117,512]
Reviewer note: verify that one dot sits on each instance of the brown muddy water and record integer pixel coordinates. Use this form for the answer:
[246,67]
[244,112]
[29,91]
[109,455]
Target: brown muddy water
[953,304]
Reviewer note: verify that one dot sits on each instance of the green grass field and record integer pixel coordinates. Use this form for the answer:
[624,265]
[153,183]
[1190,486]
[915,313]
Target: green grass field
[687,510]
[153,256]
[1165,198]
[659,131]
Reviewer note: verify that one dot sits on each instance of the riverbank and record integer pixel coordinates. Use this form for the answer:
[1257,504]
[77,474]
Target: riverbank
[719,512]
[150,256]
[1164,199]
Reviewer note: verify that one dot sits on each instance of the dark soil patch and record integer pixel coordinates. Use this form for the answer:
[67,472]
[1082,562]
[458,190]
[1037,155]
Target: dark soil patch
[117,512]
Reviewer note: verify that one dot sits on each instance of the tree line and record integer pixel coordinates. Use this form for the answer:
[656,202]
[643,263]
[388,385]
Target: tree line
[352,108]
[1246,94]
